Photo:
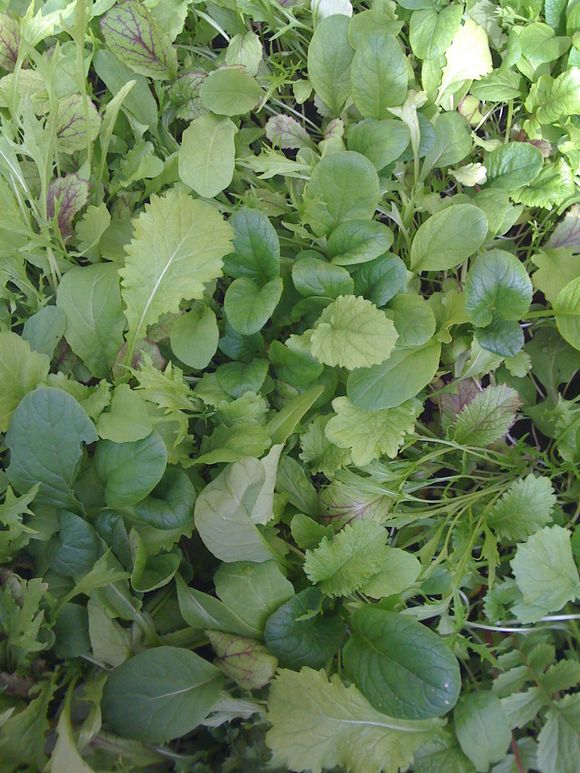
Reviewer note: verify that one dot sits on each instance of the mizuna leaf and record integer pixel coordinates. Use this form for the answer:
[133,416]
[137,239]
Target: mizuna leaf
[352,333]
[178,247]
[319,724]
[487,417]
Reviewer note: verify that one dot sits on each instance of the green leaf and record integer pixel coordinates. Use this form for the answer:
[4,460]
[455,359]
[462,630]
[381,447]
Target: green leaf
[399,571]
[381,279]
[252,591]
[170,504]
[370,434]
[559,739]
[467,58]
[482,728]
[90,297]
[21,370]
[65,198]
[497,285]
[160,694]
[312,276]
[194,336]
[202,611]
[567,307]
[77,548]
[329,61]
[414,320]
[225,513]
[401,666]
[283,131]
[77,124]
[382,142]
[249,306]
[319,454]
[523,509]
[245,661]
[553,98]
[378,74]
[452,142]
[358,241]
[44,330]
[256,252]
[553,186]
[65,755]
[448,238]
[331,187]
[45,439]
[298,634]
[431,33]
[139,103]
[178,247]
[344,565]
[229,91]
[513,165]
[23,734]
[130,471]
[402,376]
[352,333]
[487,417]
[556,267]
[127,419]
[545,573]
[138,41]
[317,724]
[207,155]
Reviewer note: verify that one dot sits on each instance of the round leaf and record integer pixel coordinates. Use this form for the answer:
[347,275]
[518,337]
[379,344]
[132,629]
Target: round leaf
[378,74]
[568,312]
[359,241]
[207,155]
[230,92]
[382,142]
[194,337]
[497,285]
[402,667]
[160,694]
[248,307]
[447,238]
[299,636]
[312,276]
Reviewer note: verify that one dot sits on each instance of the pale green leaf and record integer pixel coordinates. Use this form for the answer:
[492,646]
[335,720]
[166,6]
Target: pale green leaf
[487,417]
[559,739]
[207,155]
[448,238]
[21,370]
[567,308]
[524,508]
[467,58]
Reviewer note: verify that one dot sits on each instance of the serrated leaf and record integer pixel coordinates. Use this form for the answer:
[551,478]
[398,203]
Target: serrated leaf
[524,508]
[370,434]
[487,417]
[467,58]
[21,370]
[317,724]
[343,565]
[559,739]
[352,333]
[561,676]
[523,707]
[545,573]
[178,246]
[318,453]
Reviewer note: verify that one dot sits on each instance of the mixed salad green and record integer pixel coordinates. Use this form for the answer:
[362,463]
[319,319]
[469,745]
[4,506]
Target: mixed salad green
[290,431]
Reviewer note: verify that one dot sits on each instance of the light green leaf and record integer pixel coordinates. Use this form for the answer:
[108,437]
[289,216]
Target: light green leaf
[523,509]
[370,434]
[178,246]
[399,571]
[224,513]
[487,417]
[329,61]
[513,165]
[452,142]
[245,50]
[448,238]
[545,572]
[482,728]
[21,370]
[207,155]
[344,564]
[553,186]
[127,419]
[414,319]
[319,454]
[44,330]
[160,694]
[567,309]
[249,306]
[401,666]
[402,376]
[467,58]
[194,336]
[556,267]
[497,286]
[559,739]
[378,74]
[352,333]
[245,661]
[431,32]
[553,98]
[23,734]
[229,91]
[45,439]
[312,276]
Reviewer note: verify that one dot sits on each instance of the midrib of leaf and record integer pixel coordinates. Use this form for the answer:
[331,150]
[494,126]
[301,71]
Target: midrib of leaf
[173,693]
[134,337]
[386,725]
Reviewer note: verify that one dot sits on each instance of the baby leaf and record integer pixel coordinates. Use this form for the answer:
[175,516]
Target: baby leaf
[358,241]
[230,91]
[248,306]
[352,333]
[207,155]
[513,165]
[21,370]
[378,74]
[448,238]
[194,336]
[45,440]
[567,308]
[160,694]
[256,252]
[178,246]
[138,41]
[329,60]
[487,417]
[497,285]
[382,142]
[482,728]
[402,667]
